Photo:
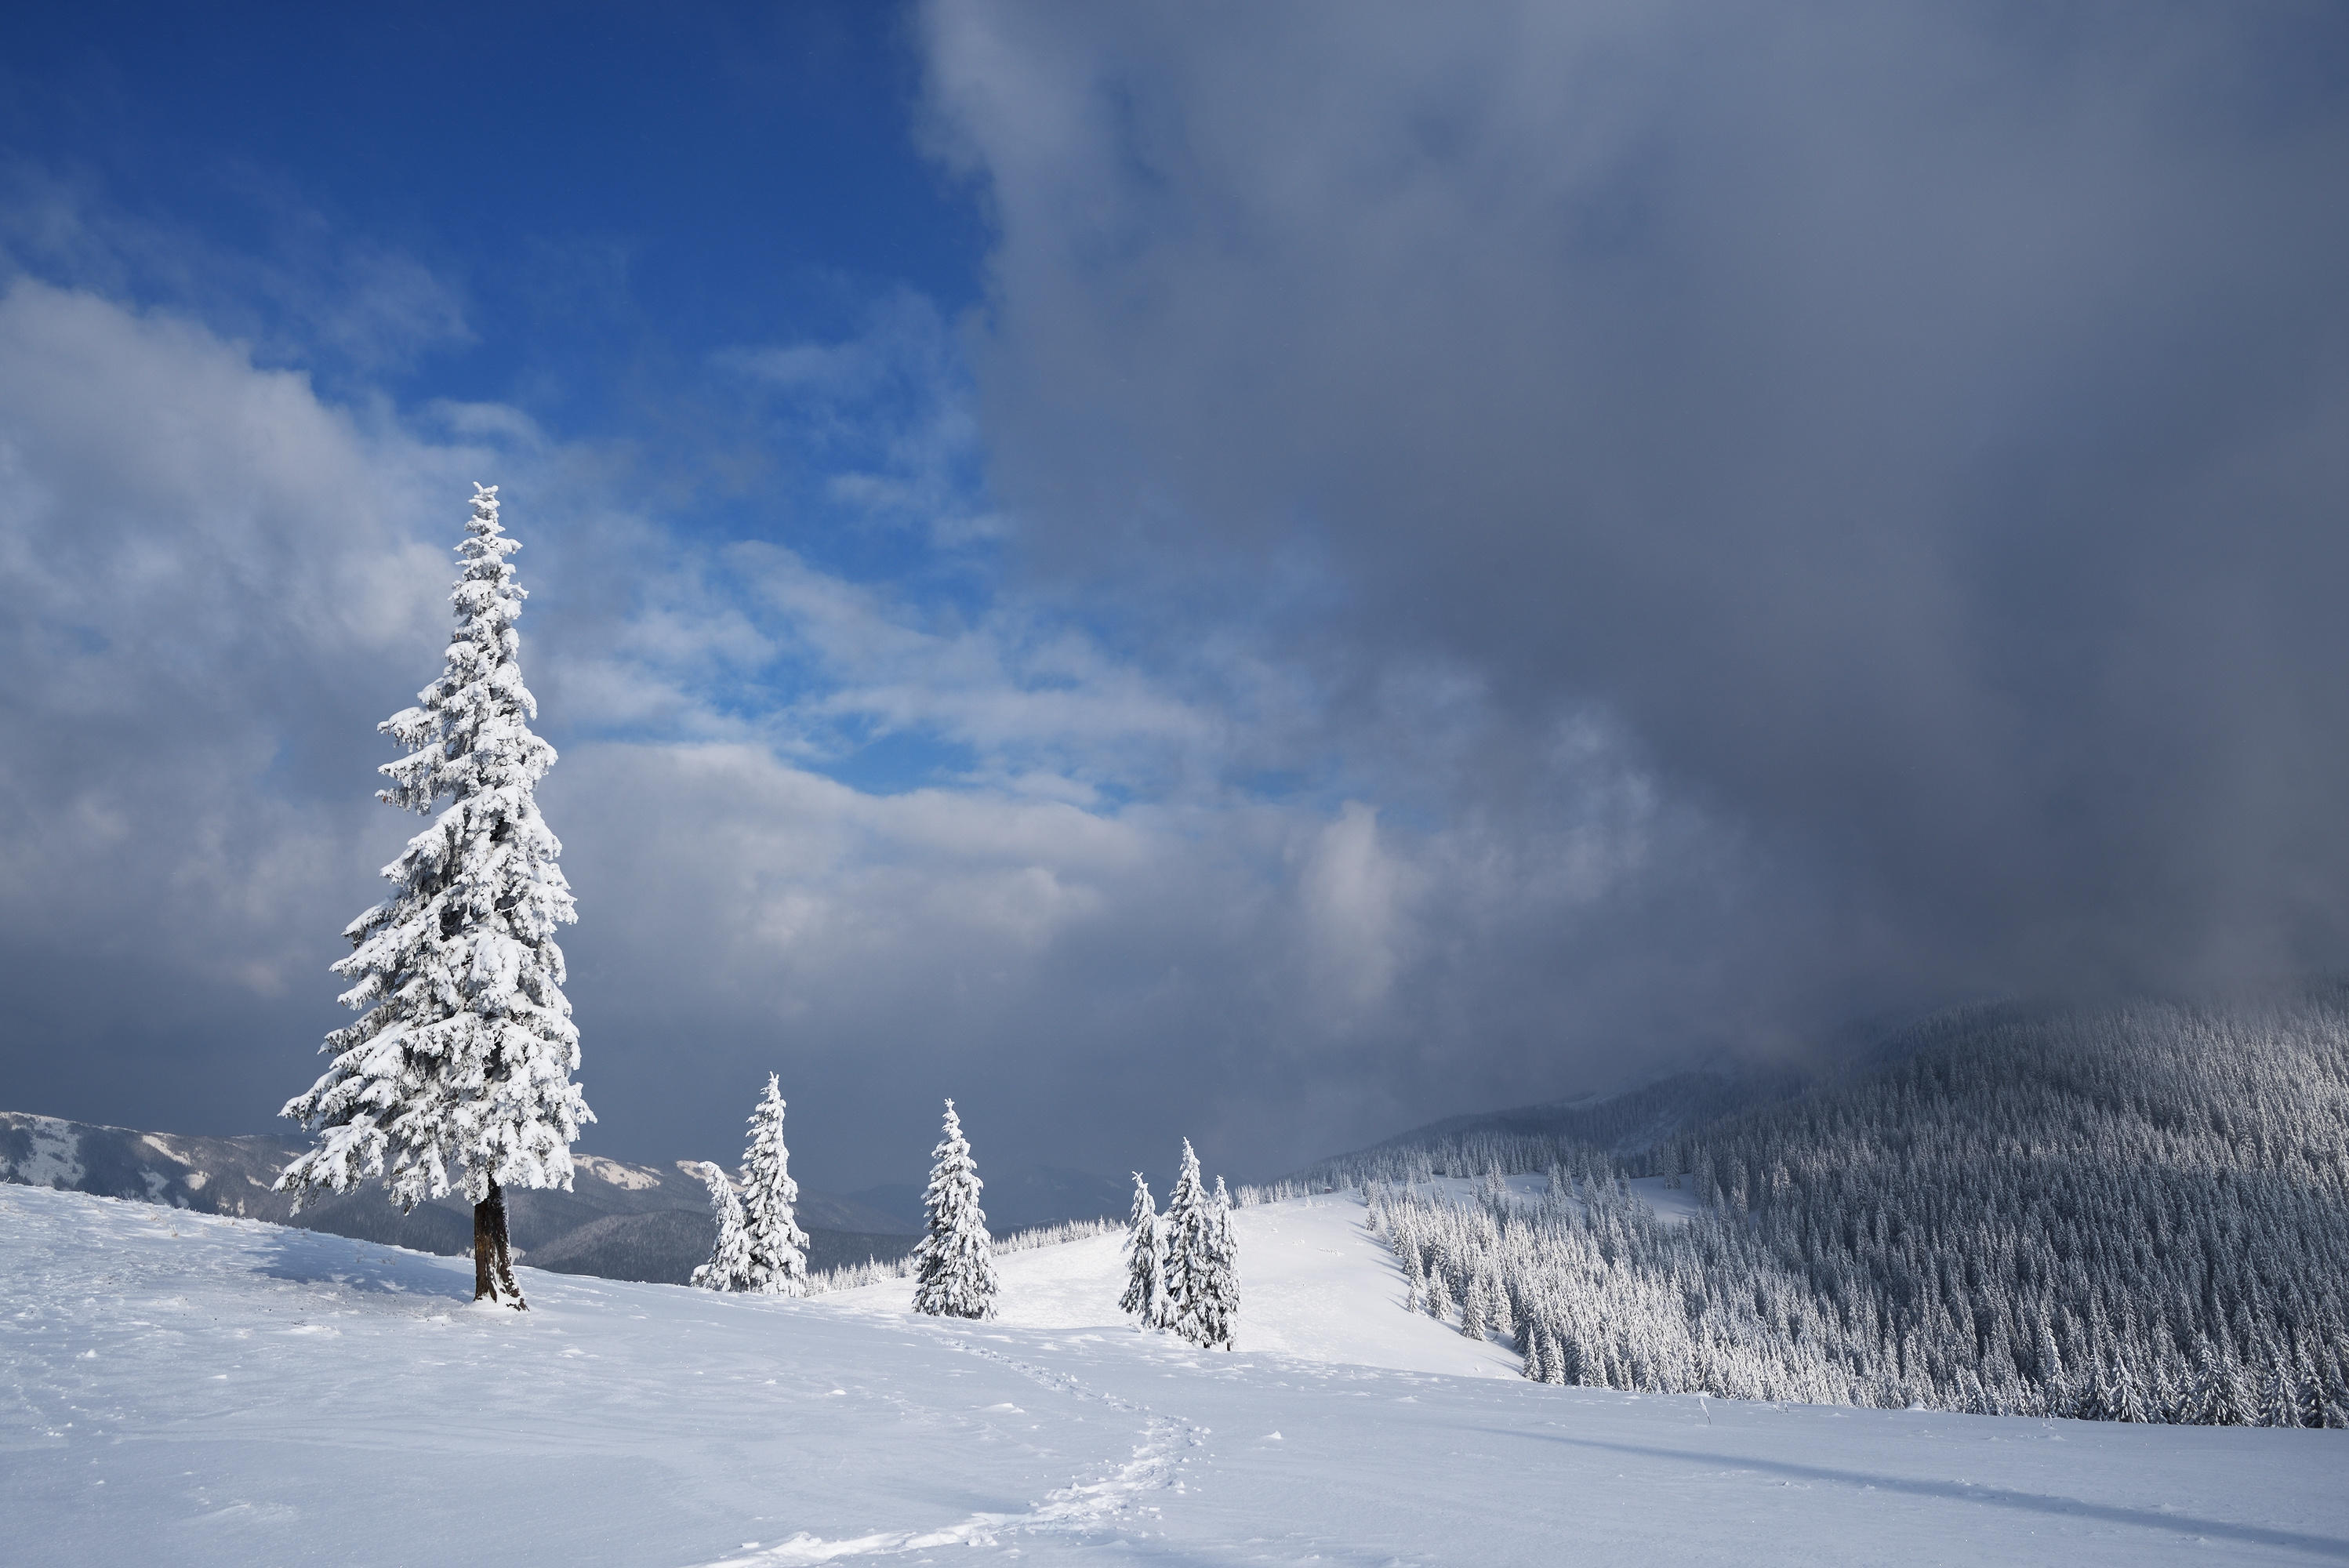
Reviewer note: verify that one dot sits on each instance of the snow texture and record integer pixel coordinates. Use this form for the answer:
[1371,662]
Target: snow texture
[457,1072]
[953,1267]
[207,1391]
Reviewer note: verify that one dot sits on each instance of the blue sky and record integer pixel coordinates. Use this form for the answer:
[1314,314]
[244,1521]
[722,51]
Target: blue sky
[1262,575]
[595,216]
[670,186]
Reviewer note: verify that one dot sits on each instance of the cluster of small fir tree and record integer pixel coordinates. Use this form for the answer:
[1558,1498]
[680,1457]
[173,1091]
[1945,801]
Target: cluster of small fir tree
[1183,1268]
[760,1248]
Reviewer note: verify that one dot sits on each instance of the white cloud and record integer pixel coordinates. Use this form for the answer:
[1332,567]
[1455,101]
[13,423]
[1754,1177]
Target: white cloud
[213,583]
[1355,897]
[197,562]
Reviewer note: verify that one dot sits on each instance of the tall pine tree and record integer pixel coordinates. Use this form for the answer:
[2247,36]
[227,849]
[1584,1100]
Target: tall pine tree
[729,1267]
[954,1263]
[1145,1262]
[777,1246]
[457,1072]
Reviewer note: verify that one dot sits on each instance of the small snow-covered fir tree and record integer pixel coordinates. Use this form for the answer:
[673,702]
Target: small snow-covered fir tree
[2218,1399]
[2278,1403]
[1219,1282]
[1145,1262]
[1187,1246]
[1472,1308]
[1438,1296]
[457,1072]
[729,1267]
[954,1264]
[776,1246]
[2310,1393]
[1553,1359]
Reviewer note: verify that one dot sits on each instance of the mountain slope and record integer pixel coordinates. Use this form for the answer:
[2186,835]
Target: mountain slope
[2136,1213]
[190,1390]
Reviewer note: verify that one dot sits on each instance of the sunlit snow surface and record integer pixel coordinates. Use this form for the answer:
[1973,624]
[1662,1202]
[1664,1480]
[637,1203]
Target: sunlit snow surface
[239,1393]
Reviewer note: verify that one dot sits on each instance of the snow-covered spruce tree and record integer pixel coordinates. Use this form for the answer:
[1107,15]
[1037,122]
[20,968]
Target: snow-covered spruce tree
[1219,1281]
[1189,1246]
[1144,1300]
[457,1072]
[954,1263]
[1472,1308]
[729,1267]
[777,1246]
[1439,1297]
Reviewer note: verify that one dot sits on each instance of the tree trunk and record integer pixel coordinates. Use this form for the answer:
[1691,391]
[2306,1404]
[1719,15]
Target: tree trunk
[494,1275]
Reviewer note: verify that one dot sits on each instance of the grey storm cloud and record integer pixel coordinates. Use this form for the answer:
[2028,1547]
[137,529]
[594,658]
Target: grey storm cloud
[1921,433]
[216,582]
[1555,539]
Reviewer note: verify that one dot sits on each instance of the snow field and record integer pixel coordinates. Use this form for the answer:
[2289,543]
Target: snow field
[242,1393]
[1313,1285]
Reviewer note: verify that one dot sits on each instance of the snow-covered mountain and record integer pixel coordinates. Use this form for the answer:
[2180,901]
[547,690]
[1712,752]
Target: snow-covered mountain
[194,1389]
[2136,1211]
[620,1221]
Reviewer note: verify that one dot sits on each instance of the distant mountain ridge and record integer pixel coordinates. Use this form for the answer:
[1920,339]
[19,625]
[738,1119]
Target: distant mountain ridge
[1015,1197]
[1624,1126]
[620,1221]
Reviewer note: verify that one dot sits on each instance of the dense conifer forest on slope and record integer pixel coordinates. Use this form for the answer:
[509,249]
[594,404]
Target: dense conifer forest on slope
[2138,1212]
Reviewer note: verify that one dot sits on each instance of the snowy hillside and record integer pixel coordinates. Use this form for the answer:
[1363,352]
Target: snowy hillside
[187,1388]
[2132,1211]
[618,1221]
[1315,1286]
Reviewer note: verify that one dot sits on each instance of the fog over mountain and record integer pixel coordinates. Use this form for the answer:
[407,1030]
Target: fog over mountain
[1907,441]
[1264,576]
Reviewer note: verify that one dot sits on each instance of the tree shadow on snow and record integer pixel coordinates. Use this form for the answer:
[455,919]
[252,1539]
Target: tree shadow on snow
[365,1268]
[1990,1496]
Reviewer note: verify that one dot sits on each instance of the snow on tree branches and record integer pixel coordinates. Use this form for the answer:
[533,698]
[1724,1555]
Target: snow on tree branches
[777,1246]
[1202,1281]
[457,1072]
[1218,1279]
[1187,1224]
[729,1267]
[1843,1243]
[1145,1262]
[954,1268]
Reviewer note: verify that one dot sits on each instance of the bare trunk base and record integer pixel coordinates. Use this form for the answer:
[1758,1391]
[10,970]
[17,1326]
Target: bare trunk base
[494,1275]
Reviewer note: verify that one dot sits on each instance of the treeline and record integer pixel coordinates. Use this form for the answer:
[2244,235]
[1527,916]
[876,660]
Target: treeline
[2134,1214]
[873,1270]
